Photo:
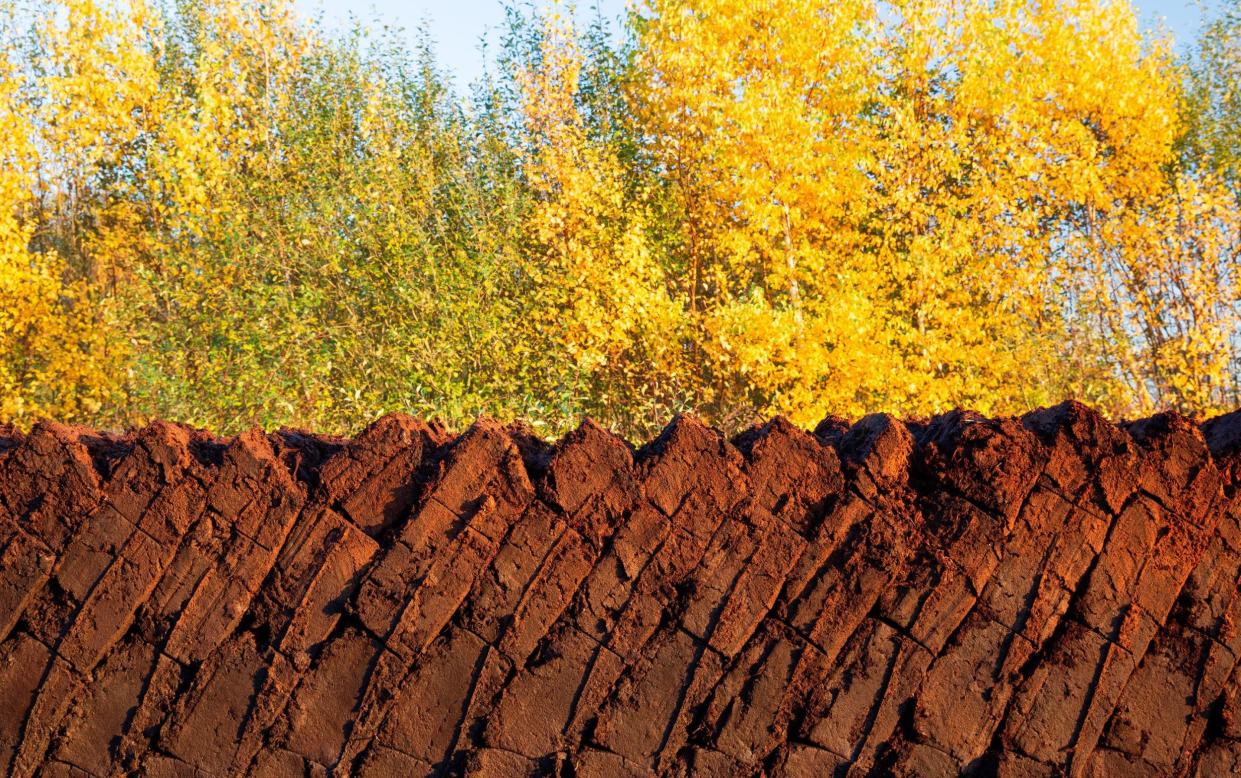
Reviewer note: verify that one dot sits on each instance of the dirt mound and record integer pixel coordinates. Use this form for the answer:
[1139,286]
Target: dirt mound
[1035,596]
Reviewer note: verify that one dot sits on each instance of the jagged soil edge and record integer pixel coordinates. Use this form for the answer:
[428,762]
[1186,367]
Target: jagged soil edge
[1027,596]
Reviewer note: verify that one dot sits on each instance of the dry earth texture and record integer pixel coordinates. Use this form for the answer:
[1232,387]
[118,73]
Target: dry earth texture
[1033,596]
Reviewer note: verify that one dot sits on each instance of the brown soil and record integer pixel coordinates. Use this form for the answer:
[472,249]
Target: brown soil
[1052,594]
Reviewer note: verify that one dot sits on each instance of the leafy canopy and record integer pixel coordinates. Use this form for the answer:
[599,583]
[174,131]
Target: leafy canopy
[215,211]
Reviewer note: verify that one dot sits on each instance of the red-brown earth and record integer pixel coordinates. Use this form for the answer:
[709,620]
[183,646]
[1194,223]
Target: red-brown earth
[1035,596]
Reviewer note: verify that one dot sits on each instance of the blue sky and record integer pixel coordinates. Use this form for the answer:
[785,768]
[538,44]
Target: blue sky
[457,25]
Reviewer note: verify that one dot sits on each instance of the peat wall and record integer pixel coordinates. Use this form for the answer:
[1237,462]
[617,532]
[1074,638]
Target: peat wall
[1050,594]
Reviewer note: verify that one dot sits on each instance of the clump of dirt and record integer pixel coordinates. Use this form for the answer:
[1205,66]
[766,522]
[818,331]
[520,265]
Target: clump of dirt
[1044,595]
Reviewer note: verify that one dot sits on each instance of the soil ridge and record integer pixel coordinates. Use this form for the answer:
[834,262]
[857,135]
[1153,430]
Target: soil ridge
[1050,594]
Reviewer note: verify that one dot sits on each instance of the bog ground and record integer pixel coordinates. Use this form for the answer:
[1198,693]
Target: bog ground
[1031,596]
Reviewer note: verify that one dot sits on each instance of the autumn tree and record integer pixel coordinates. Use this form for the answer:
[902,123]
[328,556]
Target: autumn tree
[1210,158]
[224,213]
[892,207]
[598,289]
[74,94]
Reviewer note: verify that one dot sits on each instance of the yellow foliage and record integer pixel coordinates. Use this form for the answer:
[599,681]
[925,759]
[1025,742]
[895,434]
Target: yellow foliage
[210,211]
[1165,298]
[54,342]
[600,292]
[880,198]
